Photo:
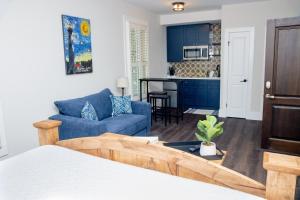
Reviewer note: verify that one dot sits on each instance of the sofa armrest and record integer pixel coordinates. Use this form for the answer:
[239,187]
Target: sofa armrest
[73,127]
[142,108]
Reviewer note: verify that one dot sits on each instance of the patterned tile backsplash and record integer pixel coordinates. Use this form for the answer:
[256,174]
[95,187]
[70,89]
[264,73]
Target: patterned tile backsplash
[196,68]
[216,31]
[203,67]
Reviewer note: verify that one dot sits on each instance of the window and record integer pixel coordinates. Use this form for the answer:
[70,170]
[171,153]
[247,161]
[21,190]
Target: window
[137,56]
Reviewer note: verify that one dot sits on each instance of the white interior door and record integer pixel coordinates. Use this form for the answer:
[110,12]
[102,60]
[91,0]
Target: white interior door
[238,68]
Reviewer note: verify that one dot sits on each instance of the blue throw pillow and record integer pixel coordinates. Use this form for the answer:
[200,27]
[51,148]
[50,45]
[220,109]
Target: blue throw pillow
[88,112]
[121,105]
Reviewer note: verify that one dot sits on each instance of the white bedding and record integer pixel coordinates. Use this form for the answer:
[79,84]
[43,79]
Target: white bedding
[55,173]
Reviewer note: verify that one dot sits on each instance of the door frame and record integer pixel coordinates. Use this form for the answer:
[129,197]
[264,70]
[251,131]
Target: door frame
[3,150]
[225,73]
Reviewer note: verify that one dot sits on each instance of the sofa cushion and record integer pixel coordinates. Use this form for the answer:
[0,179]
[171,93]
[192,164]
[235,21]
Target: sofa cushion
[100,101]
[121,105]
[74,127]
[128,124]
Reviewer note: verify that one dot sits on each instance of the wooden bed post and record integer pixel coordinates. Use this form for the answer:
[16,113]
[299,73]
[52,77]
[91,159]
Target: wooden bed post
[281,176]
[48,131]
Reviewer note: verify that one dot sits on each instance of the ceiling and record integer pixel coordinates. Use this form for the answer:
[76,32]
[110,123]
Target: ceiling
[165,6]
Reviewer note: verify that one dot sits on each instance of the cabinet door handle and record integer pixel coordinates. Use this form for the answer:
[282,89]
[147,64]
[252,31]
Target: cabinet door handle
[244,81]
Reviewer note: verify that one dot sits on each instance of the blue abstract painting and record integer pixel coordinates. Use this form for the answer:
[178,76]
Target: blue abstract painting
[77,45]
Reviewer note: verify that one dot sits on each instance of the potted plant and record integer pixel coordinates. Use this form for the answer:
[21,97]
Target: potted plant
[207,130]
[172,71]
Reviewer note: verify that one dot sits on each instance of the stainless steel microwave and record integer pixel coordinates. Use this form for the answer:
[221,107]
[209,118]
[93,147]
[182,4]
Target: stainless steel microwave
[195,52]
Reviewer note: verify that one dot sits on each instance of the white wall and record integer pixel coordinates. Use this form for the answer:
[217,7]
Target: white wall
[256,15]
[32,58]
[190,17]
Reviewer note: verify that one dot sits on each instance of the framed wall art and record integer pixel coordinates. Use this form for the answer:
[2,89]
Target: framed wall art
[77,45]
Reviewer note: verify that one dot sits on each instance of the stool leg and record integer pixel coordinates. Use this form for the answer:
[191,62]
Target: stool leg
[165,111]
[151,103]
[170,109]
[155,107]
[162,109]
[177,115]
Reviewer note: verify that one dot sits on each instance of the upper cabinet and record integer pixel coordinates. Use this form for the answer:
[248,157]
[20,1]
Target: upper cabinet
[185,35]
[195,35]
[175,43]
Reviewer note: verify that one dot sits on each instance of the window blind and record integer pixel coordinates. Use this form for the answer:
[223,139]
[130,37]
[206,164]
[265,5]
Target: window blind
[139,56]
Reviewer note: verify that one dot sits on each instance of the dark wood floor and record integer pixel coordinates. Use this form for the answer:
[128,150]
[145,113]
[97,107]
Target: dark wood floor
[241,140]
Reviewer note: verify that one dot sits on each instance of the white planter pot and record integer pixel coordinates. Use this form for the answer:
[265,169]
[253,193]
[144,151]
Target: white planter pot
[208,150]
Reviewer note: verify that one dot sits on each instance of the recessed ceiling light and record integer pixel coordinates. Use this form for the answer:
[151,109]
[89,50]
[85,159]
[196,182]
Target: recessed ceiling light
[178,6]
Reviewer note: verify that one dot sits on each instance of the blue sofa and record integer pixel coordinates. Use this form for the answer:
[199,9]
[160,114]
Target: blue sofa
[73,126]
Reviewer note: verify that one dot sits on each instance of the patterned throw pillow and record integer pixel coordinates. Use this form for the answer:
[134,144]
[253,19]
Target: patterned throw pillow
[88,112]
[121,105]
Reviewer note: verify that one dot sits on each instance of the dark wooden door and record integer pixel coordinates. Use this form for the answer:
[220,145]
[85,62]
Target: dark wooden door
[281,117]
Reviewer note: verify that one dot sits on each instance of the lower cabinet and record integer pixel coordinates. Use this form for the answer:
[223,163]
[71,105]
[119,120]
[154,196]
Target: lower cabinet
[201,94]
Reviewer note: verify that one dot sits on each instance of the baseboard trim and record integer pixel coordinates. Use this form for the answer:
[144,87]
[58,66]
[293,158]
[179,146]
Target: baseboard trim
[254,116]
[250,115]
[222,113]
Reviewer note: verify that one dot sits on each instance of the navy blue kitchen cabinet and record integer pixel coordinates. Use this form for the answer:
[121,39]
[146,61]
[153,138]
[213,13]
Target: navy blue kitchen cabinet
[196,34]
[213,94]
[190,35]
[200,94]
[194,93]
[175,43]
[185,35]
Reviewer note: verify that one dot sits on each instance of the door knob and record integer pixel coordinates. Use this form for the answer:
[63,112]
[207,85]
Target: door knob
[268,96]
[244,81]
[268,84]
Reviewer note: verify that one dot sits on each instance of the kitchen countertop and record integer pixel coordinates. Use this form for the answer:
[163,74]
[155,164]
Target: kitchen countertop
[200,78]
[174,78]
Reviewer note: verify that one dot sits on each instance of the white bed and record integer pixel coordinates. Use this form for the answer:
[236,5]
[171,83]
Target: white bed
[55,173]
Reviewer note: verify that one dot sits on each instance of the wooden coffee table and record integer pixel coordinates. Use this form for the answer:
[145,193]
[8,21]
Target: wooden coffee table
[220,162]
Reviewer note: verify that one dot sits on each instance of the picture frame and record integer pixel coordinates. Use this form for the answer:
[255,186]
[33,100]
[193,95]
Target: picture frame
[77,45]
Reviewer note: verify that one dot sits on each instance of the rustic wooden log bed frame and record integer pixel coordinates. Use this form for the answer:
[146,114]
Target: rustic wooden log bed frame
[282,170]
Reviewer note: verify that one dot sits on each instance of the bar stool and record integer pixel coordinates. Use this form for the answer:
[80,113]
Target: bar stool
[163,110]
[155,93]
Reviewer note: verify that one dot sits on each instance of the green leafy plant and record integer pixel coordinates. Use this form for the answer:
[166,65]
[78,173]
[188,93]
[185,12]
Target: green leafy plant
[208,129]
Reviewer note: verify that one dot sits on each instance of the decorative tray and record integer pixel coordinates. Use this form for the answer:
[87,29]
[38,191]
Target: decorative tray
[193,147]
